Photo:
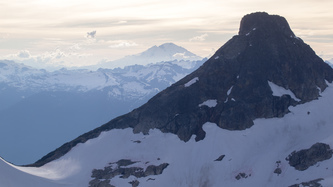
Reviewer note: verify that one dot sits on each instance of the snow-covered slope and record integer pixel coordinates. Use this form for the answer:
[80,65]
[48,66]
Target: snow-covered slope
[254,153]
[66,103]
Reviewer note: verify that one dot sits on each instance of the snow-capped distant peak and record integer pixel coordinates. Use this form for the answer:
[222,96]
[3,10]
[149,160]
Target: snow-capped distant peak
[168,51]
[164,52]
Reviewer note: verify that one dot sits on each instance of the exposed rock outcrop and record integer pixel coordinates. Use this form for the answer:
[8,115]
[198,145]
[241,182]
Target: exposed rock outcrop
[220,158]
[313,183]
[278,169]
[242,176]
[303,159]
[100,183]
[134,183]
[103,177]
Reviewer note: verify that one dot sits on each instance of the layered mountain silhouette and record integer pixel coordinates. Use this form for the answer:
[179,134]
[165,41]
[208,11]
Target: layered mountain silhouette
[233,88]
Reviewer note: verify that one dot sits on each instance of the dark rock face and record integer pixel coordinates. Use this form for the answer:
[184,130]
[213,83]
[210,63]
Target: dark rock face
[134,183]
[98,183]
[236,77]
[267,23]
[313,183]
[242,176]
[220,158]
[124,162]
[303,159]
[102,177]
[278,169]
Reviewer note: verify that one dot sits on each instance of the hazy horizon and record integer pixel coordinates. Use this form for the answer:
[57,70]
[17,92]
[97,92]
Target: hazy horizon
[80,33]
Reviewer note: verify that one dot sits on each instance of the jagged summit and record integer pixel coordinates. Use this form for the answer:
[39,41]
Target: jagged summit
[238,84]
[266,49]
[266,23]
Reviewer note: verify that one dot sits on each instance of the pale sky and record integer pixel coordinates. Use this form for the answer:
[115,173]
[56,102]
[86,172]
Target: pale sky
[83,32]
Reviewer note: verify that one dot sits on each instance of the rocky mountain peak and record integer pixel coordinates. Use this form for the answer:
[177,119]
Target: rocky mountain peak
[267,50]
[265,23]
[258,73]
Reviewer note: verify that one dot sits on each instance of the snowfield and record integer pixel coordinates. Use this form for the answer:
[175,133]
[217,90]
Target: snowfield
[254,152]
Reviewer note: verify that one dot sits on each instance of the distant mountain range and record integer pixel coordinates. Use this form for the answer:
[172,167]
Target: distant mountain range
[58,106]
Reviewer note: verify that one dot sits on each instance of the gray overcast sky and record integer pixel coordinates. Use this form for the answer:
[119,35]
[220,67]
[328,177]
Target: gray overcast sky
[83,32]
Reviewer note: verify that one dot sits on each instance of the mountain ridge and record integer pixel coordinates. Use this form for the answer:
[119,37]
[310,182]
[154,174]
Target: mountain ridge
[237,78]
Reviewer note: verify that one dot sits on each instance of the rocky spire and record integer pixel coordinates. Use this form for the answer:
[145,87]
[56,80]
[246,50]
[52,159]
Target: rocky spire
[269,24]
[233,87]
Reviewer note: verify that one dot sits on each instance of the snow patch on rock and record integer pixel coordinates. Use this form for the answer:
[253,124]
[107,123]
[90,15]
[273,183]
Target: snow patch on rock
[229,91]
[279,91]
[210,103]
[194,80]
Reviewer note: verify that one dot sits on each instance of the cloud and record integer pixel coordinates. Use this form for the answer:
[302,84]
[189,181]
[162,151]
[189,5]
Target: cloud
[4,35]
[57,54]
[199,38]
[122,44]
[91,34]
[55,57]
[75,47]
[180,56]
[24,54]
[122,22]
